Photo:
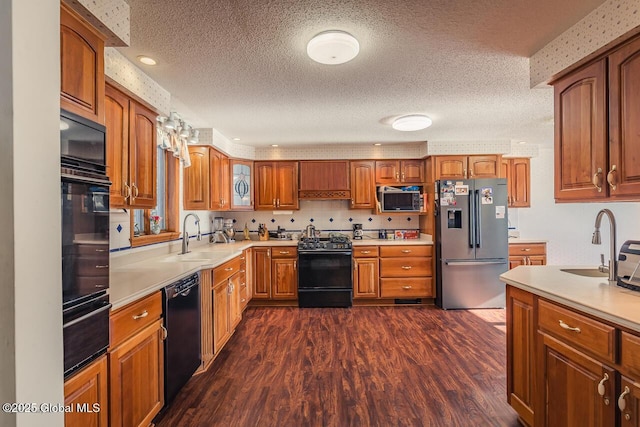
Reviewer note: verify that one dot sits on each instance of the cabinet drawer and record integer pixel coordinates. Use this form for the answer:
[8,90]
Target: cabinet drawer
[224,271]
[365,251]
[284,252]
[89,265]
[405,267]
[132,318]
[591,335]
[630,354]
[525,249]
[404,251]
[410,287]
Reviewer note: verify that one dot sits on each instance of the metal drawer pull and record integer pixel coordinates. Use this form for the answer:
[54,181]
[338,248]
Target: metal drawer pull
[407,287]
[102,266]
[284,252]
[569,328]
[228,269]
[102,250]
[365,252]
[406,251]
[597,180]
[601,388]
[406,267]
[141,315]
[622,403]
[526,249]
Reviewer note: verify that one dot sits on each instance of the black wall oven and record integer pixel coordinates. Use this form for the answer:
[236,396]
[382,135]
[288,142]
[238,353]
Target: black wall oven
[84,192]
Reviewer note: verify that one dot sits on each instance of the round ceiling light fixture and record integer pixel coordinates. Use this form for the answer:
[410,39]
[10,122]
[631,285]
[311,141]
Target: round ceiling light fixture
[147,60]
[411,122]
[333,47]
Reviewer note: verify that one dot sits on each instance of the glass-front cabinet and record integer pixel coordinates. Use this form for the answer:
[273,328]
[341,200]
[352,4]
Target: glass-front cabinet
[241,185]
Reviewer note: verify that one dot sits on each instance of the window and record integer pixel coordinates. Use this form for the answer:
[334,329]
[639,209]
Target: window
[166,208]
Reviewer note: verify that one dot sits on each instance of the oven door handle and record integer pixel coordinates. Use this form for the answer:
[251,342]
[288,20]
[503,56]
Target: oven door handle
[321,252]
[86,316]
[77,178]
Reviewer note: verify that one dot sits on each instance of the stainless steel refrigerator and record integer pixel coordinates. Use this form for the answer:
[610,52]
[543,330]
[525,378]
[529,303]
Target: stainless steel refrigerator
[472,248]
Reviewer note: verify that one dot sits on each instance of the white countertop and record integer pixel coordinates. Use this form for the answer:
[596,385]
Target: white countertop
[525,241]
[592,295]
[132,281]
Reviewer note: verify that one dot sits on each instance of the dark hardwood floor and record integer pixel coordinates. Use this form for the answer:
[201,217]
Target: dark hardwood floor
[364,366]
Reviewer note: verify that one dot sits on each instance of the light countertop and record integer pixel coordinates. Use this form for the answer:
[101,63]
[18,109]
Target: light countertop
[129,282]
[592,295]
[525,241]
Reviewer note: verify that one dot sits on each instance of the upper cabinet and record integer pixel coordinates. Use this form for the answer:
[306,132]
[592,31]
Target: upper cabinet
[241,185]
[517,172]
[465,167]
[276,185]
[219,181]
[399,171]
[321,180]
[363,187]
[81,67]
[131,151]
[597,128]
[206,181]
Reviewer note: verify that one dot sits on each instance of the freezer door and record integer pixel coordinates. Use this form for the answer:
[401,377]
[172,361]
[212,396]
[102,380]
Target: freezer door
[455,232]
[471,284]
[490,200]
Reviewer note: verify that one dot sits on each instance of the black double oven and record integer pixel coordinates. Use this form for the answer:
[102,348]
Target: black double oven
[85,241]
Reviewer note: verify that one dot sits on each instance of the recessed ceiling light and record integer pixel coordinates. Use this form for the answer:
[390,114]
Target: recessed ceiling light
[333,47]
[147,60]
[274,145]
[64,125]
[377,144]
[411,122]
[236,139]
[522,142]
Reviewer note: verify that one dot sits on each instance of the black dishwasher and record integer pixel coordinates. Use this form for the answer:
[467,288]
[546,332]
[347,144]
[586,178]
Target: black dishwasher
[182,345]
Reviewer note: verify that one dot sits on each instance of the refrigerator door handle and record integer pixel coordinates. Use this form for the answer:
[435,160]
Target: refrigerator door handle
[457,263]
[472,222]
[478,219]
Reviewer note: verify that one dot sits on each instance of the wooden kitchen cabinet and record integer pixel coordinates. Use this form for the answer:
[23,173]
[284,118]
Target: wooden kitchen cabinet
[275,273]
[399,171]
[206,319]
[363,188]
[261,272]
[464,167]
[366,272]
[82,83]
[136,362]
[245,275]
[517,171]
[241,185]
[324,179]
[219,188]
[131,151]
[196,179]
[527,254]
[226,302]
[276,185]
[88,389]
[406,272]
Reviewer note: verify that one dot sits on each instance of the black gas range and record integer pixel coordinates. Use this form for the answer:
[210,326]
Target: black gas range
[325,272]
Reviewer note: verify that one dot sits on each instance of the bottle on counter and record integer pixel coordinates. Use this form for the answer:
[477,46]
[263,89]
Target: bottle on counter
[245,232]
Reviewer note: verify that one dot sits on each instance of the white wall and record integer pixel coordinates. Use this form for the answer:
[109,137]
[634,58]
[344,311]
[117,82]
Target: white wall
[568,226]
[31,362]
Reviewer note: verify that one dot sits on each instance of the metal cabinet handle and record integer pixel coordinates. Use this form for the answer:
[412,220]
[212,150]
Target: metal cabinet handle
[464,172]
[135,191]
[365,252]
[295,265]
[403,176]
[228,269]
[471,172]
[141,315]
[525,250]
[128,191]
[274,203]
[102,266]
[397,176]
[570,328]
[622,403]
[352,202]
[243,300]
[601,388]
[268,252]
[278,203]
[407,287]
[284,252]
[165,333]
[611,178]
[406,267]
[597,180]
[406,251]
[102,250]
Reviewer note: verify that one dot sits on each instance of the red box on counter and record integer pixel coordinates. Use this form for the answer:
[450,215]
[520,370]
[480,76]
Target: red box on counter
[411,234]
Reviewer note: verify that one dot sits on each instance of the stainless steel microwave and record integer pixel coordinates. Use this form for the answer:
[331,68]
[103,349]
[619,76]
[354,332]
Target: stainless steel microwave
[397,200]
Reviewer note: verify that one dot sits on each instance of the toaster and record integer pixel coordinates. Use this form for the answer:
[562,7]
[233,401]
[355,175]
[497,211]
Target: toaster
[628,265]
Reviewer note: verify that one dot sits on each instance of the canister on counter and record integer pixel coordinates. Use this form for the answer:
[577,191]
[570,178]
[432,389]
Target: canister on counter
[382,234]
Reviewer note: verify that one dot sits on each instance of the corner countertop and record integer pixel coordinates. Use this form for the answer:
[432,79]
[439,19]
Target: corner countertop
[592,295]
[525,241]
[132,281]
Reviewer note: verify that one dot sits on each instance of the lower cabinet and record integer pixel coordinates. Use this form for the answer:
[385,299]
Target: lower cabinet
[206,319]
[136,363]
[87,394]
[275,273]
[406,272]
[227,312]
[527,254]
[366,273]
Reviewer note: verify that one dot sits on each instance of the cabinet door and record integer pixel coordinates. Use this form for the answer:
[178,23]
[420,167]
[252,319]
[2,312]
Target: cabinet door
[515,261]
[365,278]
[581,134]
[88,390]
[520,185]
[117,140]
[136,378]
[81,67]
[196,180]
[520,352]
[235,308]
[241,185]
[221,328]
[219,181]
[537,260]
[387,171]
[362,185]
[624,121]
[324,179]
[484,166]
[505,172]
[206,310]
[450,167]
[284,278]
[265,185]
[570,382]
[412,171]
[629,402]
[142,156]
[261,273]
[287,185]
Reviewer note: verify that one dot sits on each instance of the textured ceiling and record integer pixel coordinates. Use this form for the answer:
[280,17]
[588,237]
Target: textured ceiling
[241,67]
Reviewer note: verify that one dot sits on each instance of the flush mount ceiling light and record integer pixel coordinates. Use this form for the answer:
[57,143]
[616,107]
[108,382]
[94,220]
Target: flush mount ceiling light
[333,47]
[411,122]
[147,60]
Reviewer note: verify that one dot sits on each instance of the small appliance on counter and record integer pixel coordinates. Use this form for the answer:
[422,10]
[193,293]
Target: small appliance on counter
[357,232]
[280,234]
[263,233]
[310,232]
[229,232]
[628,265]
[218,235]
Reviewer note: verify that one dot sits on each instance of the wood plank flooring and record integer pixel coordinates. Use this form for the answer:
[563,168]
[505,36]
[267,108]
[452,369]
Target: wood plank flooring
[363,366]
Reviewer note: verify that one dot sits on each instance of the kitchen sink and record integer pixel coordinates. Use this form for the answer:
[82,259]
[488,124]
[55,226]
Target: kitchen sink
[587,272]
[191,257]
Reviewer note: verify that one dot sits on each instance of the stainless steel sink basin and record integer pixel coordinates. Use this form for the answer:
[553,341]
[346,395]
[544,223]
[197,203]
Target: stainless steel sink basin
[587,272]
[191,257]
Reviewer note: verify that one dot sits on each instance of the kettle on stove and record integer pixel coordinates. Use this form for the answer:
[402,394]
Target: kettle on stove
[311,231]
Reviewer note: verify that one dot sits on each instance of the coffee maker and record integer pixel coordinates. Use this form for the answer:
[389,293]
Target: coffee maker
[229,231]
[357,232]
[218,235]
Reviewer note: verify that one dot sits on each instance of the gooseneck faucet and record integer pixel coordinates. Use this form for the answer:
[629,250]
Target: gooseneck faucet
[596,240]
[185,235]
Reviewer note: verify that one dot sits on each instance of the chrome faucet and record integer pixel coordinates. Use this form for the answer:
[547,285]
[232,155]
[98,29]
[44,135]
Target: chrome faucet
[185,235]
[596,240]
